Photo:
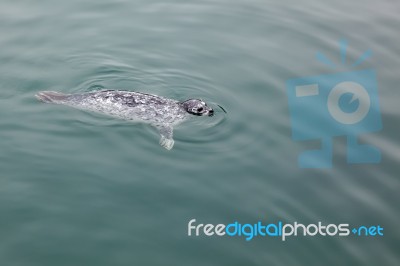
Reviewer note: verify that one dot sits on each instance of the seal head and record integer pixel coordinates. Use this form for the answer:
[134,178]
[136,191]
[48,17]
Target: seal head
[197,107]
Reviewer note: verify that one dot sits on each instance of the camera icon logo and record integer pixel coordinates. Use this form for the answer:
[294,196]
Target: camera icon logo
[331,105]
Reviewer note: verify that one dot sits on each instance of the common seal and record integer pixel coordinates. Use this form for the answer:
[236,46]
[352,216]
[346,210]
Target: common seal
[157,111]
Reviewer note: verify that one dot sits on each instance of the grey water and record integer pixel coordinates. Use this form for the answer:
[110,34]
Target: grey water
[78,188]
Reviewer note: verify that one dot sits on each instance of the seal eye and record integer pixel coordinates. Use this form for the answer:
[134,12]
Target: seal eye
[200,109]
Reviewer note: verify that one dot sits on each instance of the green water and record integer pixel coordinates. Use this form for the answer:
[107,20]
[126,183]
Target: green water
[81,189]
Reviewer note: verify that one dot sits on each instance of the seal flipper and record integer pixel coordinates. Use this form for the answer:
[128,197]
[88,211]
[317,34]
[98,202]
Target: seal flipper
[166,132]
[51,96]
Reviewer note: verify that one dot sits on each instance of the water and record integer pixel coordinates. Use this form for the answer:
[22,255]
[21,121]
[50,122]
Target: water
[82,189]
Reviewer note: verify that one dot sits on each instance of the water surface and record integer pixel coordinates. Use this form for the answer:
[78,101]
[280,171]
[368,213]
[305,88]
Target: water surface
[82,189]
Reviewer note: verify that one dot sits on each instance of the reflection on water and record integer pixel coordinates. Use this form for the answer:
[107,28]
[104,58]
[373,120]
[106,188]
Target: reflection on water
[84,189]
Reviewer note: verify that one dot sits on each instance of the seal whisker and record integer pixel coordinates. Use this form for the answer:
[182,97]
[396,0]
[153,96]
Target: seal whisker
[222,108]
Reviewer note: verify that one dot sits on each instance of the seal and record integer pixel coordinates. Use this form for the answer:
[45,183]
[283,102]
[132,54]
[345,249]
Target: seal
[160,112]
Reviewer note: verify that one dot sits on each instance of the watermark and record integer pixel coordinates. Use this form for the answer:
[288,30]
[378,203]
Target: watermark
[338,104]
[280,230]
